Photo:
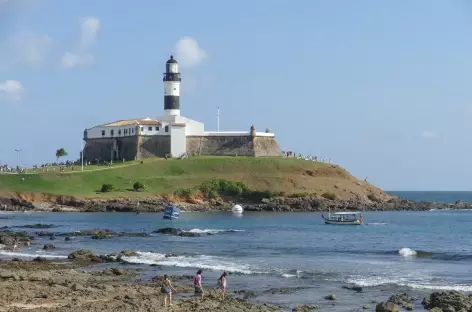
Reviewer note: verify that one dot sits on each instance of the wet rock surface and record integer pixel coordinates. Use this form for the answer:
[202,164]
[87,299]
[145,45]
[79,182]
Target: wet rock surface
[287,203]
[448,301]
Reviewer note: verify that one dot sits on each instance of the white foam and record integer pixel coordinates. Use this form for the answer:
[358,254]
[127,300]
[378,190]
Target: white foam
[407,252]
[213,231]
[28,255]
[377,223]
[377,281]
[198,261]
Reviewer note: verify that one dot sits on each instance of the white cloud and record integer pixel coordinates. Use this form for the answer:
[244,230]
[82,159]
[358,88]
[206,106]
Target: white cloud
[12,90]
[71,60]
[31,48]
[429,134]
[188,53]
[25,48]
[88,35]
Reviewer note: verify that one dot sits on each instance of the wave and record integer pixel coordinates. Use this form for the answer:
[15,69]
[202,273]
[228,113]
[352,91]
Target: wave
[403,282]
[213,231]
[377,223]
[31,255]
[192,261]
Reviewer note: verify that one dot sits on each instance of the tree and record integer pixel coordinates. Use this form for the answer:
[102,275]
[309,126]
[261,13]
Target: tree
[60,153]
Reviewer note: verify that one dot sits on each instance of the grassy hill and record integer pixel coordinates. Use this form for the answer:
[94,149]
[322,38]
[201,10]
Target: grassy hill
[160,176]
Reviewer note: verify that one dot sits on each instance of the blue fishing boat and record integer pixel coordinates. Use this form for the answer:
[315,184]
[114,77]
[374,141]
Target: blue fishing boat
[171,212]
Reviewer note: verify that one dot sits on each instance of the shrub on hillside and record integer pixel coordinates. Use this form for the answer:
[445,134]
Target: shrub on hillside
[184,192]
[328,195]
[299,195]
[373,198]
[138,186]
[106,188]
[223,187]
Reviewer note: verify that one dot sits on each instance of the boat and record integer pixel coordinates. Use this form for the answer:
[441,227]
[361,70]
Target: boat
[344,218]
[237,209]
[171,212]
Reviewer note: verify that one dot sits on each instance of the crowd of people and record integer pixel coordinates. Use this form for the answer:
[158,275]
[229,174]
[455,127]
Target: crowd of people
[307,157]
[167,289]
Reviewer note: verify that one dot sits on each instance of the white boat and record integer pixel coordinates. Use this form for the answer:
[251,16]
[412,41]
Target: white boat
[237,209]
[344,218]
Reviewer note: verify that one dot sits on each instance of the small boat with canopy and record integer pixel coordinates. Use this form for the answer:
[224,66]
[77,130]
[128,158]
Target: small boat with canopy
[344,218]
[171,212]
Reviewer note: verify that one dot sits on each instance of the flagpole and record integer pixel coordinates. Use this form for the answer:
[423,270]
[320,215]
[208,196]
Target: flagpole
[82,155]
[218,118]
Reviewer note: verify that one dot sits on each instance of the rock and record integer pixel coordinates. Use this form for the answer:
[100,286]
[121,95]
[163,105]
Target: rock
[128,253]
[354,288]
[448,301]
[117,271]
[408,307]
[101,236]
[67,238]
[37,226]
[435,310]
[44,233]
[366,307]
[403,300]
[330,297]
[52,238]
[85,255]
[176,232]
[40,259]
[386,306]
[49,247]
[76,287]
[305,308]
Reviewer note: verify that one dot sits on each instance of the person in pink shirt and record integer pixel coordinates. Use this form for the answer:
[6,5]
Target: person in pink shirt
[197,283]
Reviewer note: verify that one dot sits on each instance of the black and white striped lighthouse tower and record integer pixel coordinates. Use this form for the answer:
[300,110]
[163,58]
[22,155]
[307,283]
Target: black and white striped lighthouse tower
[172,88]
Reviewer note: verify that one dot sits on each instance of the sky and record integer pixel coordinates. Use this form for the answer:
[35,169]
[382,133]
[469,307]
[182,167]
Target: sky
[382,88]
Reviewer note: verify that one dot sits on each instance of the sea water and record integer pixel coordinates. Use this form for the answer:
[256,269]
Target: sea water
[417,252]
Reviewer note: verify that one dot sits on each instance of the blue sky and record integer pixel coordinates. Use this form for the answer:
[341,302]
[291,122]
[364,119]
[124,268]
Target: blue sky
[380,87]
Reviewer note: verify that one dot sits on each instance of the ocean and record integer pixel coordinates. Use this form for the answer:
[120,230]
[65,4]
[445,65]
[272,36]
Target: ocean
[416,252]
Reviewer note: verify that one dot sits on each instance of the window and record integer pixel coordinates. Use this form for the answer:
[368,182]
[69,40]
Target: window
[142,128]
[149,128]
[112,132]
[166,129]
[132,130]
[157,128]
[103,132]
[119,131]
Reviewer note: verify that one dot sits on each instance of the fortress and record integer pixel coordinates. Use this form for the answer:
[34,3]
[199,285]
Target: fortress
[172,134]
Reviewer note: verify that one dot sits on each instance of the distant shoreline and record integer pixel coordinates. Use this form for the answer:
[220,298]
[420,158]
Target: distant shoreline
[276,204]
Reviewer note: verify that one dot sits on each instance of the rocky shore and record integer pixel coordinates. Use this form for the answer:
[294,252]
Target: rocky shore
[308,203]
[75,285]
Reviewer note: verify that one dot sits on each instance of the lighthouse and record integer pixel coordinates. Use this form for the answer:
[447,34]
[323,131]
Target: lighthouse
[172,88]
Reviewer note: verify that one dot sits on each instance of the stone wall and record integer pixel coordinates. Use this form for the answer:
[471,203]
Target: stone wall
[153,146]
[126,147]
[233,146]
[266,146]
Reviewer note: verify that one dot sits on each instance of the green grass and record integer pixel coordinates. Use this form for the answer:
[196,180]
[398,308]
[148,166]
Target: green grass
[166,176]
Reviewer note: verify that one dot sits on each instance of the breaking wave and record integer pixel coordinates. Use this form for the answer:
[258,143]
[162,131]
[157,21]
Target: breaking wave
[31,255]
[213,231]
[404,282]
[193,261]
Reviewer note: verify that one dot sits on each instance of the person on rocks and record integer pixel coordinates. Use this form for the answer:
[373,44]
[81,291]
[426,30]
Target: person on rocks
[197,283]
[223,284]
[166,289]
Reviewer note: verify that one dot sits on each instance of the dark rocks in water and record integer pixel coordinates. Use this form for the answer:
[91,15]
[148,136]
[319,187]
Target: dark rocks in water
[354,288]
[245,294]
[386,306]
[448,301]
[49,247]
[44,233]
[305,308]
[87,256]
[52,237]
[67,238]
[171,255]
[9,238]
[101,236]
[37,226]
[40,259]
[330,297]
[131,234]
[403,300]
[176,232]
[128,253]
